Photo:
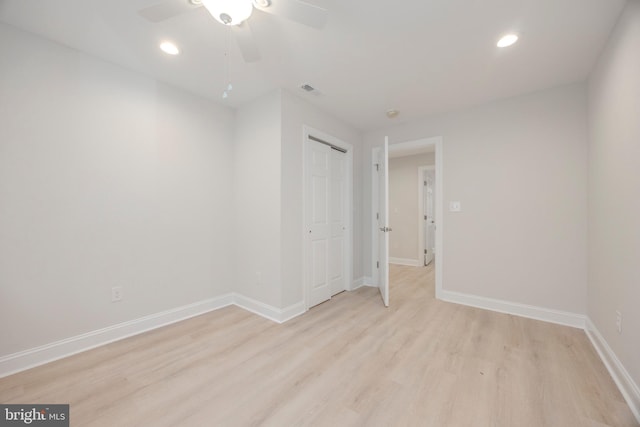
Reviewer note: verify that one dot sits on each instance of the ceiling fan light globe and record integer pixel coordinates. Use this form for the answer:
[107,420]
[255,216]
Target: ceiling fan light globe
[229,12]
[262,3]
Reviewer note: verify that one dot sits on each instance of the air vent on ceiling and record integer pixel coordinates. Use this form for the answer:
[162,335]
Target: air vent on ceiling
[310,89]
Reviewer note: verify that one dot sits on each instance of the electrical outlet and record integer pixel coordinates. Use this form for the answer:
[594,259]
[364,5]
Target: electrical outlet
[455,206]
[619,321]
[116,294]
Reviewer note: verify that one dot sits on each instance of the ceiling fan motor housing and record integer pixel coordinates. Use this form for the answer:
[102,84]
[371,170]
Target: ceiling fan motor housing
[229,12]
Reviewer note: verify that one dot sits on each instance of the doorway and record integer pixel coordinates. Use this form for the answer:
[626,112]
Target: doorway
[379,263]
[328,200]
[426,221]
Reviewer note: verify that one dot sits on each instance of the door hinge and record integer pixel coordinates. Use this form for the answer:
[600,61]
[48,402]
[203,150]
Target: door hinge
[425,183]
[425,251]
[377,166]
[377,264]
[377,215]
[425,217]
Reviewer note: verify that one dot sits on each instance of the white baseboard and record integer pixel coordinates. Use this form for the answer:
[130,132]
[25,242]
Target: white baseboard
[532,312]
[628,388]
[405,261]
[27,359]
[358,283]
[294,310]
[363,281]
[23,360]
[621,377]
[16,362]
[278,315]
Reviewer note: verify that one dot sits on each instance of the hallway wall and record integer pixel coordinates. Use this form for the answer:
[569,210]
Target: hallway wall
[404,206]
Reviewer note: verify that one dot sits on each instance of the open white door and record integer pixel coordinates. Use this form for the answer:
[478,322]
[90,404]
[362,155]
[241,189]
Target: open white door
[383,221]
[429,219]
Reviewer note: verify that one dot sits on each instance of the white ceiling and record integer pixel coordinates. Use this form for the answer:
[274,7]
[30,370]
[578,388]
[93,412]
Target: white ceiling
[418,56]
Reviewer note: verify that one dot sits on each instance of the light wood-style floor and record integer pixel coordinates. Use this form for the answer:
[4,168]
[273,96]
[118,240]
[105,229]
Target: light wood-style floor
[349,361]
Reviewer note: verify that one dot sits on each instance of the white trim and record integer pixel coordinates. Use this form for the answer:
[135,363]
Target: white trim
[306,131]
[364,281]
[530,311]
[375,271]
[294,310]
[629,389]
[278,315]
[358,283]
[405,261]
[37,356]
[439,257]
[627,386]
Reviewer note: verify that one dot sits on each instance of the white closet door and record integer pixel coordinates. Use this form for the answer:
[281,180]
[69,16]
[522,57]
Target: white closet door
[318,183]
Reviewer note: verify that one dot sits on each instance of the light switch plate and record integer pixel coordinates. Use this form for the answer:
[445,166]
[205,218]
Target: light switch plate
[455,206]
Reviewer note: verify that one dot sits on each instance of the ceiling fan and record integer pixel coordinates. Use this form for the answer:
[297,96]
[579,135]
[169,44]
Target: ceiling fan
[235,14]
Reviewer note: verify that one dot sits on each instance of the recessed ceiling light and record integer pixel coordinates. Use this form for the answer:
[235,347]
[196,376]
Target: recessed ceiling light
[169,48]
[262,3]
[392,114]
[507,40]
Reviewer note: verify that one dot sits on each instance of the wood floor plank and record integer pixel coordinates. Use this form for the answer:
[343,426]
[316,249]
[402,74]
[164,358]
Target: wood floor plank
[347,362]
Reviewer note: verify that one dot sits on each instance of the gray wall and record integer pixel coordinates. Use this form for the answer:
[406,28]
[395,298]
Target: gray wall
[268,190]
[257,212]
[107,178]
[296,112]
[614,190]
[519,168]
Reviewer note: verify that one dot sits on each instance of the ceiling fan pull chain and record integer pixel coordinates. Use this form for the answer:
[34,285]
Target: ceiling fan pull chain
[227,83]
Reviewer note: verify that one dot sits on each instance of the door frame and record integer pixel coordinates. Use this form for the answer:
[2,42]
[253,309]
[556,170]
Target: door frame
[348,252]
[422,245]
[439,208]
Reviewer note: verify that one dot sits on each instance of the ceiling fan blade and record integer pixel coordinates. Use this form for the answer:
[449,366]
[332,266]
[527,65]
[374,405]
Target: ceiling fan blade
[166,10]
[246,42]
[298,11]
